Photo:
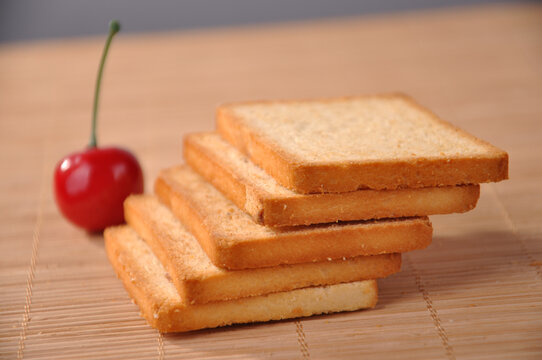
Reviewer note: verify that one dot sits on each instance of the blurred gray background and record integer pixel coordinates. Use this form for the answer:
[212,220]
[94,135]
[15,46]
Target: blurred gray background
[23,20]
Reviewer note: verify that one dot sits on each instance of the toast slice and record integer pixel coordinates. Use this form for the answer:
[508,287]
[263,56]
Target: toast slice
[148,284]
[199,281]
[232,239]
[271,204]
[347,144]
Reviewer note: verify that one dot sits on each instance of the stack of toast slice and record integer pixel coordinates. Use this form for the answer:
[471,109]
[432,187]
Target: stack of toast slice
[294,208]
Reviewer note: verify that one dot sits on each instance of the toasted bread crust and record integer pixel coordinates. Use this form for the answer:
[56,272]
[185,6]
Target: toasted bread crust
[286,208]
[199,281]
[249,245]
[147,283]
[304,177]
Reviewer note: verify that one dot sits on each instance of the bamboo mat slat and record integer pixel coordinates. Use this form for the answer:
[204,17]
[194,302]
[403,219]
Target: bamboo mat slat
[475,293]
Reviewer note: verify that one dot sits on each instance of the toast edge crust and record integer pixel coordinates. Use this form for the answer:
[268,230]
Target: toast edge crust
[190,218]
[370,204]
[243,195]
[400,237]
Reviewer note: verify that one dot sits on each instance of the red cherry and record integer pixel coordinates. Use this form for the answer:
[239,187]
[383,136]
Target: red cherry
[90,186]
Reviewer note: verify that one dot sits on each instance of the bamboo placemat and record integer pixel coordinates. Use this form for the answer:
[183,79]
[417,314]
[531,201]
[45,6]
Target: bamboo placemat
[475,293]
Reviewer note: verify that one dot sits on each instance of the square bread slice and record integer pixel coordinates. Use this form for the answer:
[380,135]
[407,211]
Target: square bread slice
[232,239]
[148,284]
[271,204]
[347,144]
[199,281]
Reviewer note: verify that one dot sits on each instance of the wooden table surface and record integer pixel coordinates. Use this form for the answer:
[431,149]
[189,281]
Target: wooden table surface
[475,293]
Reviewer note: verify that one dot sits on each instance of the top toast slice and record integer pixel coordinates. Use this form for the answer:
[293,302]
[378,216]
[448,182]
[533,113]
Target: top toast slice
[347,144]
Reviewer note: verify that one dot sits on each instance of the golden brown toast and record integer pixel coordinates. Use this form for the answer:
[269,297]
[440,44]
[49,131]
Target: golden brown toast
[347,144]
[232,239]
[271,204]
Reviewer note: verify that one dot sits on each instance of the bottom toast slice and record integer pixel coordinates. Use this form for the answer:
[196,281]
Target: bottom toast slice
[148,283]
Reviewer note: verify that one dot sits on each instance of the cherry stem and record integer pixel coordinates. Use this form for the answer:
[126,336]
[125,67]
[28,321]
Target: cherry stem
[114,27]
